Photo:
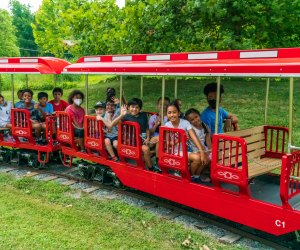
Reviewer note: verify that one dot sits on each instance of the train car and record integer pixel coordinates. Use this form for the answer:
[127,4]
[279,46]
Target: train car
[270,204]
[22,146]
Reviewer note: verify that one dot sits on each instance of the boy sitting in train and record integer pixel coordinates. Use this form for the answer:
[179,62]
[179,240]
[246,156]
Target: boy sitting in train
[77,114]
[135,115]
[155,122]
[111,132]
[198,160]
[44,104]
[36,113]
[5,109]
[208,116]
[57,103]
[20,96]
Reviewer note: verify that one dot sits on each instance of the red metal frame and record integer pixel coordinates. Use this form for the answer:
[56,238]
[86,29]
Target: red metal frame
[277,149]
[94,136]
[289,186]
[130,143]
[173,152]
[21,128]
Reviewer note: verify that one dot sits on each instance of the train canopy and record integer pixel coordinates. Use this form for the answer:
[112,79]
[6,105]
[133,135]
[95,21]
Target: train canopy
[284,62]
[32,65]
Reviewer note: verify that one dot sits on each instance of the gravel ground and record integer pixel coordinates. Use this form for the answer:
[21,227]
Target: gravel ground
[18,173]
[40,176]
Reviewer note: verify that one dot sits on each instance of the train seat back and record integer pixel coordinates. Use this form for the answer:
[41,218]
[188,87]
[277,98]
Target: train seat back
[21,125]
[130,143]
[65,130]
[94,135]
[173,155]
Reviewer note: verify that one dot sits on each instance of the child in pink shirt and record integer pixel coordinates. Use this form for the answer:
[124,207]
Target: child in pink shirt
[77,113]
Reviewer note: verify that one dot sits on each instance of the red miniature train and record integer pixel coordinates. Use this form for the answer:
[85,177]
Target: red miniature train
[271,203]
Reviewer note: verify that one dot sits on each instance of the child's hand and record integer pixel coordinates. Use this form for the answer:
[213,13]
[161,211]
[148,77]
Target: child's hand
[123,110]
[99,118]
[157,121]
[146,141]
[204,158]
[36,105]
[115,100]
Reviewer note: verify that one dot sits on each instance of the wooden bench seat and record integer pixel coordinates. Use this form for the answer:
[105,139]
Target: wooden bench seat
[262,166]
[258,162]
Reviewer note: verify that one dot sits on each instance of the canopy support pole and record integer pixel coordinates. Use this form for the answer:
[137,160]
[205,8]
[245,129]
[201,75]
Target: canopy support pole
[291,114]
[162,100]
[217,104]
[142,87]
[12,89]
[86,93]
[267,100]
[175,89]
[55,80]
[121,90]
[26,80]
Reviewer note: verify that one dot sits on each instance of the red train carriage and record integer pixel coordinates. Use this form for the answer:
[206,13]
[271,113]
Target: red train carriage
[270,204]
[22,146]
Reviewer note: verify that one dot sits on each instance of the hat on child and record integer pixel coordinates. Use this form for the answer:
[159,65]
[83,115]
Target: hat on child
[100,105]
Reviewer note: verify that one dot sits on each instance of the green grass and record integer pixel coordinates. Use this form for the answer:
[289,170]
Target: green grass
[38,215]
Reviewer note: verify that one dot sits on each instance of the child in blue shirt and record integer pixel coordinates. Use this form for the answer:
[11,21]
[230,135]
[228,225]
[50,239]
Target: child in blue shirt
[208,116]
[43,103]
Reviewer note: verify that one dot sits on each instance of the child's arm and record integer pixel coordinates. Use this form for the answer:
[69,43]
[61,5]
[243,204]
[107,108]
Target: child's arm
[117,120]
[208,138]
[43,114]
[147,140]
[198,144]
[233,118]
[107,123]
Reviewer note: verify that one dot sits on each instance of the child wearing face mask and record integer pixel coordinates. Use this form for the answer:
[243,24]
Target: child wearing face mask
[208,116]
[77,113]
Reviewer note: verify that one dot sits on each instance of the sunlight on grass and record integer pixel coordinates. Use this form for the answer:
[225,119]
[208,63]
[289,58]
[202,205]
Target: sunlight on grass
[38,215]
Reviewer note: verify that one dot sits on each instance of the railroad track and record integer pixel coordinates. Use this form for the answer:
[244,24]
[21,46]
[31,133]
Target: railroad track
[232,234]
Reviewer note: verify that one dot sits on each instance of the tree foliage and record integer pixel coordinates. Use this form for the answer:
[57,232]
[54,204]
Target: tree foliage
[8,40]
[22,20]
[85,27]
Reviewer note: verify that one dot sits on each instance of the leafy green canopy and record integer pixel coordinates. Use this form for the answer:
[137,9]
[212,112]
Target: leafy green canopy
[8,40]
[22,20]
[83,27]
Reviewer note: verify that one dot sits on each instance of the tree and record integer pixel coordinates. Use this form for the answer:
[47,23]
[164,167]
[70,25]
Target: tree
[22,20]
[8,40]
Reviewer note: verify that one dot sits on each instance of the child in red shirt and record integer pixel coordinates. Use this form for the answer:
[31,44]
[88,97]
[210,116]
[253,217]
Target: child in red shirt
[57,103]
[77,113]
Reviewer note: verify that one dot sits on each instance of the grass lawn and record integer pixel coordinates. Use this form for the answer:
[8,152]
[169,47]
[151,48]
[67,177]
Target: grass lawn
[39,215]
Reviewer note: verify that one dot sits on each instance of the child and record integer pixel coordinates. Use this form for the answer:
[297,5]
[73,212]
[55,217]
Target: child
[5,108]
[57,103]
[198,160]
[155,122]
[100,109]
[200,128]
[77,113]
[43,103]
[208,116]
[36,113]
[135,115]
[179,103]
[111,132]
[20,96]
